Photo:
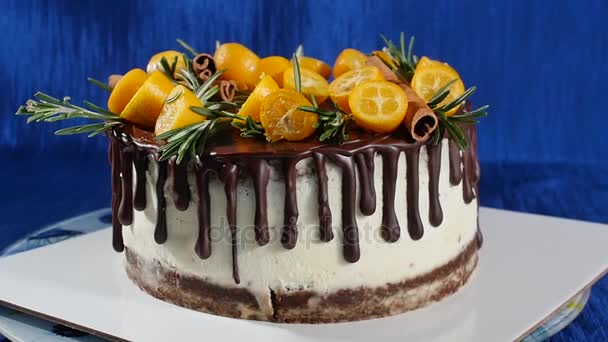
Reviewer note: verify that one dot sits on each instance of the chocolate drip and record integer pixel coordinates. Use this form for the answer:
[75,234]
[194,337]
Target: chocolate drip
[365,166]
[230,177]
[125,210]
[160,232]
[203,241]
[260,172]
[390,224]
[117,241]
[141,166]
[414,224]
[455,163]
[289,237]
[470,164]
[434,164]
[350,231]
[325,232]
[181,189]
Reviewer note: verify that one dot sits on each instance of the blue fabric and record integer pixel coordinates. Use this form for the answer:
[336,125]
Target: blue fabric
[541,65]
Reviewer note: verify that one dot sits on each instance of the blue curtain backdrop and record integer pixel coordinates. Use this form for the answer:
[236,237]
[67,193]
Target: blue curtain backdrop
[541,65]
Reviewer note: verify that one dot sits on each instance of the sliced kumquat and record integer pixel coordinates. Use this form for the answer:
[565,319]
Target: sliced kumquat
[378,106]
[282,119]
[316,65]
[124,90]
[240,63]
[429,79]
[347,60]
[342,86]
[176,111]
[171,56]
[252,105]
[384,57]
[313,84]
[425,61]
[274,66]
[147,103]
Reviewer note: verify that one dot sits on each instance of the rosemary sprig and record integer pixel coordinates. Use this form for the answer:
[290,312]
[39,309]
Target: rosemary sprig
[45,108]
[207,90]
[404,59]
[453,123]
[187,47]
[333,124]
[99,84]
[296,73]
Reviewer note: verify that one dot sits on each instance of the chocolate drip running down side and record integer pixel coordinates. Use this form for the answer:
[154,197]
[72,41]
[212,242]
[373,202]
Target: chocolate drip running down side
[130,147]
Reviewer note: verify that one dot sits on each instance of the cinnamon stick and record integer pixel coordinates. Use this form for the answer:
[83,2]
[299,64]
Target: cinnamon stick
[227,90]
[204,66]
[113,80]
[420,120]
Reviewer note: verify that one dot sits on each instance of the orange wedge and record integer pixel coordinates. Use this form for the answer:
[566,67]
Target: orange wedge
[349,59]
[170,56]
[274,66]
[316,65]
[313,84]
[176,112]
[282,119]
[342,86]
[145,106]
[252,105]
[124,90]
[241,64]
[378,106]
[429,79]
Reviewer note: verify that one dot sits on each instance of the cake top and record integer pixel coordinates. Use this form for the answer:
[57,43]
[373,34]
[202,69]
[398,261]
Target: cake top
[187,102]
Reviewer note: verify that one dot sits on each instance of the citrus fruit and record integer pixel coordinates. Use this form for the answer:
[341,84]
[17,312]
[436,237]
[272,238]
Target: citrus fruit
[252,105]
[315,65]
[342,86]
[170,55]
[274,66]
[176,111]
[145,106]
[313,84]
[429,79]
[348,59]
[282,119]
[240,63]
[378,106]
[124,90]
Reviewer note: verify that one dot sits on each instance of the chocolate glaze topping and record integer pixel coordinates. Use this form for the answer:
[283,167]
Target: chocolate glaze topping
[229,156]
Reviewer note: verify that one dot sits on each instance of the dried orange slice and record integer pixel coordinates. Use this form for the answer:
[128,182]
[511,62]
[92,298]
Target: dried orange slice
[170,56]
[349,59]
[240,63]
[146,104]
[429,79]
[378,106]
[274,66]
[315,65]
[176,112]
[342,86]
[124,90]
[282,119]
[252,105]
[313,84]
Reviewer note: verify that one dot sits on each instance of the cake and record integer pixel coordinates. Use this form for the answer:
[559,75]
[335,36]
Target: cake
[314,206]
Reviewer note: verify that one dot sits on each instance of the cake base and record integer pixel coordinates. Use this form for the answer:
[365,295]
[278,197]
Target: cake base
[303,306]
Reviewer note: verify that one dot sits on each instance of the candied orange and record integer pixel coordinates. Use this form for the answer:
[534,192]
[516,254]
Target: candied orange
[316,65]
[252,105]
[384,57]
[170,56]
[176,111]
[429,79]
[313,84]
[274,66]
[148,101]
[124,90]
[378,106]
[349,59]
[240,63]
[342,86]
[282,119]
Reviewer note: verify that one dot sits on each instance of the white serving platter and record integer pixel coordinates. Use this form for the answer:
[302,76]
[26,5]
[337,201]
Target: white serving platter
[529,266]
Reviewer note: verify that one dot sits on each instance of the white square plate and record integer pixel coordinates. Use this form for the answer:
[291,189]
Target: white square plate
[529,266]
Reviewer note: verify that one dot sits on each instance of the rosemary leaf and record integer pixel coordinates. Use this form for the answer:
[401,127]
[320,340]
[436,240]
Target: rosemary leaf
[99,84]
[187,47]
[296,73]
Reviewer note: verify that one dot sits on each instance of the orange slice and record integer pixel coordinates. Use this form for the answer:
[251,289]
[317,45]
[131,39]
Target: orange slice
[313,84]
[252,105]
[241,64]
[342,86]
[124,90]
[148,101]
[170,56]
[349,59]
[315,65]
[282,119]
[378,106]
[176,112]
[274,66]
[429,79]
